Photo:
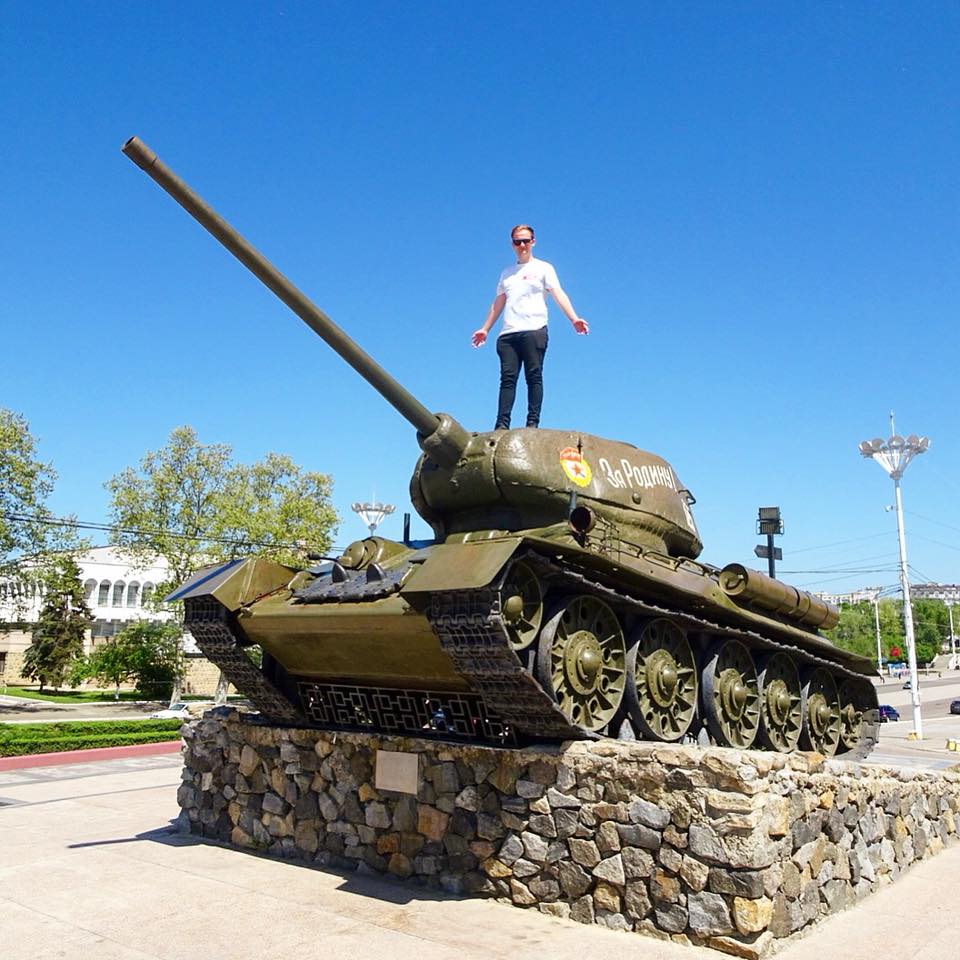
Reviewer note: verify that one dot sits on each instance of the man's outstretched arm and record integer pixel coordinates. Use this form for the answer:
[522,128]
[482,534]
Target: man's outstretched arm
[496,308]
[563,302]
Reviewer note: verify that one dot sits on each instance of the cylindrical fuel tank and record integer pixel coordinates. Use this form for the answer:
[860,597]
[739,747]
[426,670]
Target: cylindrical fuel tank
[751,586]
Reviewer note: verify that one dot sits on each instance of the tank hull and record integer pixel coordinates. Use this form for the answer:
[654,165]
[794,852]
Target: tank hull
[426,642]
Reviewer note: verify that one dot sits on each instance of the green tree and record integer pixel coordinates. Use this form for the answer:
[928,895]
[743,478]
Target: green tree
[64,618]
[155,655]
[931,627]
[891,629]
[112,662]
[25,485]
[192,504]
[856,630]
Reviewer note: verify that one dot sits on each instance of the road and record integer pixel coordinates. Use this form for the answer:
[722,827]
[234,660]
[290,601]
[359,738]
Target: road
[21,710]
[894,748]
[939,725]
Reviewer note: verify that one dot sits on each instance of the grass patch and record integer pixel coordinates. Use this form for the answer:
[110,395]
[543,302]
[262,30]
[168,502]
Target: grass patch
[19,739]
[93,696]
[69,696]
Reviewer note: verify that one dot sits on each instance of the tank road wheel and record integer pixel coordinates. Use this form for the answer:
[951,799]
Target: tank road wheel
[821,719]
[731,695]
[856,697]
[581,662]
[662,684]
[522,605]
[781,704]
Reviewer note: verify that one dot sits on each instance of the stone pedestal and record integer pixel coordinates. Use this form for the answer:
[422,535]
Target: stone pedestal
[728,849]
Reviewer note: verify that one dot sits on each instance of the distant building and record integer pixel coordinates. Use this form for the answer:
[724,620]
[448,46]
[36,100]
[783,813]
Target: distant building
[117,593]
[868,594]
[947,592]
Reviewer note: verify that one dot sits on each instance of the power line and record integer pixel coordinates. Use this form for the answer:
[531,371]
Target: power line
[938,523]
[840,543]
[132,531]
[844,570]
[939,543]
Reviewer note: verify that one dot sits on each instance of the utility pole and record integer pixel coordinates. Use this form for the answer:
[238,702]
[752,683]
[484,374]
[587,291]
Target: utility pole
[894,455]
[876,620]
[953,637]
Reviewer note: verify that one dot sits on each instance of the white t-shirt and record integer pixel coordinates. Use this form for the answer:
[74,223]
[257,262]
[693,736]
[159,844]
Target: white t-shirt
[525,285]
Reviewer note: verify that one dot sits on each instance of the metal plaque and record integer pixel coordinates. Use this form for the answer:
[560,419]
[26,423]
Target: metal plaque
[397,771]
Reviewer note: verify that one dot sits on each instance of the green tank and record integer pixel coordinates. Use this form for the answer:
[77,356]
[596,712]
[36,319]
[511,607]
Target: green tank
[561,598]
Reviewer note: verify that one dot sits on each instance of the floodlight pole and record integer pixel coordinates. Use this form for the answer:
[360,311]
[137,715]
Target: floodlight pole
[894,455]
[908,616]
[372,514]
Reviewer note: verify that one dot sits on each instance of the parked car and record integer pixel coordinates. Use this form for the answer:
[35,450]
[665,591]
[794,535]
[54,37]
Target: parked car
[176,711]
[906,685]
[890,713]
[955,706]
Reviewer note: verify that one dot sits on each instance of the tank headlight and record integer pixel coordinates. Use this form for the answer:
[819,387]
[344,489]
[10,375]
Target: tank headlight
[582,520]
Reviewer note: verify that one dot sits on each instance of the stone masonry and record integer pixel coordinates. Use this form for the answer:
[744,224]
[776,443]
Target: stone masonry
[705,845]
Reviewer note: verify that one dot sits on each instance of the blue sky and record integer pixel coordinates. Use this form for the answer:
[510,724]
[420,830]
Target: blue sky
[755,205]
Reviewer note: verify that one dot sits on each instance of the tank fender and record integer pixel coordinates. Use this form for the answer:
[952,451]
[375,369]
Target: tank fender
[461,566]
[236,583]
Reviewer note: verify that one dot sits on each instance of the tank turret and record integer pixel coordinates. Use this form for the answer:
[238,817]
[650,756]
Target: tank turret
[563,597]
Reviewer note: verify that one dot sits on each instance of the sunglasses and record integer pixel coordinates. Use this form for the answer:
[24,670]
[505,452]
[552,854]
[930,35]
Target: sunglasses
[522,240]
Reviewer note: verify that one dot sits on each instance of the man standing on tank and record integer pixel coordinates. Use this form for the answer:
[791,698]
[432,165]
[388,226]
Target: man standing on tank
[523,340]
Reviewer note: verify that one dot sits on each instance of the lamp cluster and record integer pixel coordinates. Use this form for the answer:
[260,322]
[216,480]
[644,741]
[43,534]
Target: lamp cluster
[894,454]
[372,514]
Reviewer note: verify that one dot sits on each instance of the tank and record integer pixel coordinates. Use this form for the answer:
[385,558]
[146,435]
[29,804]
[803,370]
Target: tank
[560,598]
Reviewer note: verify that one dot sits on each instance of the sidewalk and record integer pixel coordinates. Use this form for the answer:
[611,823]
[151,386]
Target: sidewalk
[91,868]
[68,757]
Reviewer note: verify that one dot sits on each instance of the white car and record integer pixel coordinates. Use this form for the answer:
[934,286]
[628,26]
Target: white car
[176,711]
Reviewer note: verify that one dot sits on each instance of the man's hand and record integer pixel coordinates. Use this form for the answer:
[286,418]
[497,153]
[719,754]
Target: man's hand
[580,325]
[479,337]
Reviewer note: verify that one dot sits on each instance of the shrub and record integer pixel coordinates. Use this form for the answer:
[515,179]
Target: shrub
[19,739]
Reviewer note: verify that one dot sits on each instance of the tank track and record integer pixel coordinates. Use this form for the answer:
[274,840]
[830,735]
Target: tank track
[472,631]
[210,624]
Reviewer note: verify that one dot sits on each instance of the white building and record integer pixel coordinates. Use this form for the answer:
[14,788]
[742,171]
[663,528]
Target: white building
[117,592]
[868,594]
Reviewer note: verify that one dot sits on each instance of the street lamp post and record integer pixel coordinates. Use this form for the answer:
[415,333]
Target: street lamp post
[372,514]
[894,455]
[953,636]
[770,523]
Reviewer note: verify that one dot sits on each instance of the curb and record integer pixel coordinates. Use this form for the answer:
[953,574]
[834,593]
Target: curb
[66,757]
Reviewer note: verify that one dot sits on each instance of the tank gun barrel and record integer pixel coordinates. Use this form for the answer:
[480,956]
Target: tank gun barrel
[425,422]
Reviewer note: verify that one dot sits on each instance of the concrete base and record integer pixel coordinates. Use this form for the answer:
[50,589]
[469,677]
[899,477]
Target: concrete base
[710,846]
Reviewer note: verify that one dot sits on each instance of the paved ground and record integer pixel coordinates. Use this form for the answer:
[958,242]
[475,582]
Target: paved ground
[91,868]
[939,725]
[22,710]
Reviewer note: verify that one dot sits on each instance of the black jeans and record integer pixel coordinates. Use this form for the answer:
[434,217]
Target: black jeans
[513,349]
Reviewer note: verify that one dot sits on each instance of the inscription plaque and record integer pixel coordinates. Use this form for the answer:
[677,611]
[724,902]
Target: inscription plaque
[397,771]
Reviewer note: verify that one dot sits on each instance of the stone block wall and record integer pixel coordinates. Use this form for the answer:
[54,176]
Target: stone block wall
[200,676]
[13,644]
[711,846]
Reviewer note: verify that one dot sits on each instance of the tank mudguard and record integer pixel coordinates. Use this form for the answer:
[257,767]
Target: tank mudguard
[236,583]
[461,566]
